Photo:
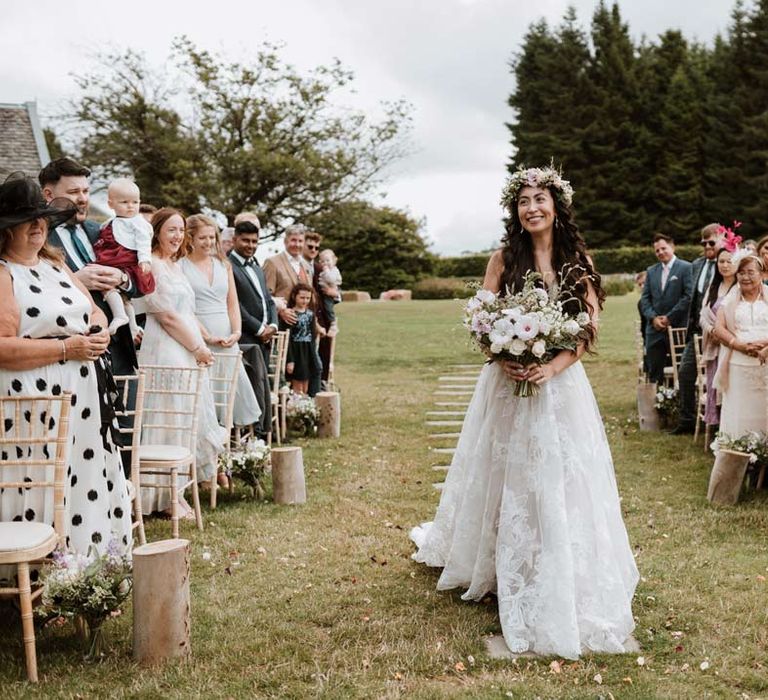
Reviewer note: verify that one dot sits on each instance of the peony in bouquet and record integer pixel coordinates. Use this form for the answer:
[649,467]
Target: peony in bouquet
[528,327]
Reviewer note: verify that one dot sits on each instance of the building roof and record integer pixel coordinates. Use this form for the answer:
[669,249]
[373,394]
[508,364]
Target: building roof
[22,142]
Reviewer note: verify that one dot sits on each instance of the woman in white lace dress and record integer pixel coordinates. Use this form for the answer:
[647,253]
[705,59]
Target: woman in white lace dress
[530,510]
[173,337]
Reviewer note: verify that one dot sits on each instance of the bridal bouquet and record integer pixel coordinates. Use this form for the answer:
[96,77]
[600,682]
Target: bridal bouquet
[528,327]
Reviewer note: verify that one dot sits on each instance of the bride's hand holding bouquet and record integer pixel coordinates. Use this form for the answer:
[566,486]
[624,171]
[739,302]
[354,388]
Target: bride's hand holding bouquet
[525,330]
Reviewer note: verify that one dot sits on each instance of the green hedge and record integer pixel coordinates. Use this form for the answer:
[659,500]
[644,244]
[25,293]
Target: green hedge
[464,287]
[629,259]
[444,288]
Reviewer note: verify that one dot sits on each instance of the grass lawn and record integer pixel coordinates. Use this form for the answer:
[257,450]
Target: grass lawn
[323,600]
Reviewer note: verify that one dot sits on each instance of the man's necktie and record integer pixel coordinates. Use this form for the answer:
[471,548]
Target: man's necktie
[303,277]
[82,251]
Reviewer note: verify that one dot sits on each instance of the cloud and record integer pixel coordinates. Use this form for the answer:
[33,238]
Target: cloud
[449,58]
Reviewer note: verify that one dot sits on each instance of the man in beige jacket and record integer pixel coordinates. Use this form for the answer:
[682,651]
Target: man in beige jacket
[284,270]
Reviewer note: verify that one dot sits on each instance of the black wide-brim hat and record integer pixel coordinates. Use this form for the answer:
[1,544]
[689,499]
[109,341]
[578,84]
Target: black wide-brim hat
[21,200]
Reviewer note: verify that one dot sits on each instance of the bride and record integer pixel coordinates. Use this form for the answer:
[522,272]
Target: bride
[529,509]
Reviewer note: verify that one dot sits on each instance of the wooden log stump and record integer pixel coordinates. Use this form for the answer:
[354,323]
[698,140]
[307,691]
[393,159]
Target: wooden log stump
[329,405]
[727,477]
[161,613]
[288,487]
[646,397]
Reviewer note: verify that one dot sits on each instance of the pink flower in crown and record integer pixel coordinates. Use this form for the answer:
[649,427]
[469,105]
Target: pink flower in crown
[532,177]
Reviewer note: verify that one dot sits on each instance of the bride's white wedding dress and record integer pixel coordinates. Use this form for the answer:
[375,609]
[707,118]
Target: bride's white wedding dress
[530,511]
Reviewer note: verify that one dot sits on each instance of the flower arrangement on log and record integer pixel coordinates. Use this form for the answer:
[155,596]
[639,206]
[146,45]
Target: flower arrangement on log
[249,464]
[87,588]
[301,414]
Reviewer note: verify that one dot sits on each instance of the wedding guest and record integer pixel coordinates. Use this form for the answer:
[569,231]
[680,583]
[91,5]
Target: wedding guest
[312,241]
[47,346]
[750,246]
[174,337]
[742,329]
[124,243]
[226,240]
[147,211]
[723,280]
[217,308]
[258,312]
[67,178]
[302,361]
[285,270]
[762,253]
[702,271]
[664,303]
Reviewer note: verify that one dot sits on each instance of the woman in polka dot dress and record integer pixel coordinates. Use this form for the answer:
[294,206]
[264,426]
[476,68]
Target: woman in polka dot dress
[46,348]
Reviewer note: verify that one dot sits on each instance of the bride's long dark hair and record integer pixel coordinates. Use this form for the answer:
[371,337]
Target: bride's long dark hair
[570,262]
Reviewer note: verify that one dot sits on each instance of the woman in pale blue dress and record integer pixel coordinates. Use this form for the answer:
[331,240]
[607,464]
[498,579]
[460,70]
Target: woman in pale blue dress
[217,308]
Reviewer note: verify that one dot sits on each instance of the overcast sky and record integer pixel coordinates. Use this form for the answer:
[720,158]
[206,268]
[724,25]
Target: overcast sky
[448,58]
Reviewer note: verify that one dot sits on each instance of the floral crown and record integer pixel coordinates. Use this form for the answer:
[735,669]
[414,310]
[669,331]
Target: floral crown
[536,177]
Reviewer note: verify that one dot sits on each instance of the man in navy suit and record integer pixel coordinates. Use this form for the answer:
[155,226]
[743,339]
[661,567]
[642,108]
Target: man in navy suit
[257,309]
[664,303]
[66,178]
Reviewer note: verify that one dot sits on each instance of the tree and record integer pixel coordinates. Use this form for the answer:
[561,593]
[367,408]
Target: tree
[379,248]
[128,128]
[230,136]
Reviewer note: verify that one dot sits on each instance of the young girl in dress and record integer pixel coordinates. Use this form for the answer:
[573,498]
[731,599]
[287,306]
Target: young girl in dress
[302,362]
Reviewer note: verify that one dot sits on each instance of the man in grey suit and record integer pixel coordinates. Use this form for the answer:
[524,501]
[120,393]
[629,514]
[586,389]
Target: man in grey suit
[664,303]
[702,271]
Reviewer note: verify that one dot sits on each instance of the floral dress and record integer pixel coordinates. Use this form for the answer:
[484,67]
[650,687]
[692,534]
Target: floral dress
[96,498]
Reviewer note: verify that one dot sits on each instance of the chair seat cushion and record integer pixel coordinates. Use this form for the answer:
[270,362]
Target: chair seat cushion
[163,453]
[15,537]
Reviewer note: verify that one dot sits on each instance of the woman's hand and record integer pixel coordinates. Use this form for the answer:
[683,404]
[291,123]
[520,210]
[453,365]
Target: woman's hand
[289,368]
[203,356]
[538,374]
[514,370]
[229,341]
[87,348]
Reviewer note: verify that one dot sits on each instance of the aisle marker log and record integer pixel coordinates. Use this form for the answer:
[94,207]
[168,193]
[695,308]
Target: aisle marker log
[329,405]
[288,487]
[161,613]
[649,416]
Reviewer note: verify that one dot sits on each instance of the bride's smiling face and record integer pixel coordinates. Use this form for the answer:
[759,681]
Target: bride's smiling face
[536,209]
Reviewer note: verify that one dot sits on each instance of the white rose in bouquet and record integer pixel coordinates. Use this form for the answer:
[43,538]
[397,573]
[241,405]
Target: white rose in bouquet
[571,327]
[583,319]
[539,348]
[485,296]
[518,346]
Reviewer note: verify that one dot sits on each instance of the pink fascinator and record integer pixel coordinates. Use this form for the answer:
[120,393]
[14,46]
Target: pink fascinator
[728,239]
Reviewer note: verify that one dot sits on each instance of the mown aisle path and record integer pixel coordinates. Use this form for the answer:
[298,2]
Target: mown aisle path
[323,600]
